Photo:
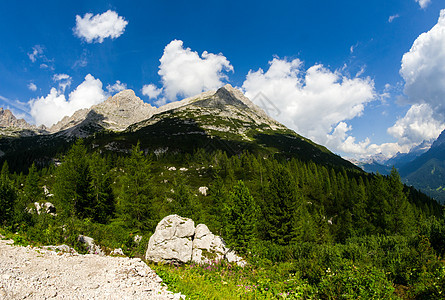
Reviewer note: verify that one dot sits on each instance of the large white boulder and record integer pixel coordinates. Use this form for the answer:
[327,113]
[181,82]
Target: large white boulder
[207,247]
[172,240]
[176,240]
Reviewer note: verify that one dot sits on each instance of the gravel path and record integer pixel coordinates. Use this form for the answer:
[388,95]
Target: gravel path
[33,273]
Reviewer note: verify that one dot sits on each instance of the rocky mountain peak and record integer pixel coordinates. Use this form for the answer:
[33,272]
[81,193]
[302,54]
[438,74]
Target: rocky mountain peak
[116,113]
[7,119]
[228,95]
[123,98]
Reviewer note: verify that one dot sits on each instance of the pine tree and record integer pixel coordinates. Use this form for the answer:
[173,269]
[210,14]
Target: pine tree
[184,201]
[400,209]
[33,193]
[242,216]
[72,187]
[8,196]
[101,192]
[284,215]
[135,202]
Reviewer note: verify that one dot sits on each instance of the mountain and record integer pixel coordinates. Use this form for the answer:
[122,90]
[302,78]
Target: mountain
[427,172]
[11,126]
[115,114]
[383,165]
[401,159]
[224,119]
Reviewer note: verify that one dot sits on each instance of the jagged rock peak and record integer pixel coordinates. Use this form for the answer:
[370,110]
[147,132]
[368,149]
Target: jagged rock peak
[7,119]
[234,96]
[116,113]
[124,97]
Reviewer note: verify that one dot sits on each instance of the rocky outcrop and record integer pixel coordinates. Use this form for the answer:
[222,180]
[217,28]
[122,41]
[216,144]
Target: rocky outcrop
[44,207]
[92,248]
[116,113]
[11,126]
[172,240]
[176,240]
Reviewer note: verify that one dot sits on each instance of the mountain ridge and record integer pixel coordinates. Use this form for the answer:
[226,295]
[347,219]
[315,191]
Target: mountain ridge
[223,119]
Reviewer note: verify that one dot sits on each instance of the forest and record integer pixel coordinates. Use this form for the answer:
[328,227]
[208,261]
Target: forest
[307,230]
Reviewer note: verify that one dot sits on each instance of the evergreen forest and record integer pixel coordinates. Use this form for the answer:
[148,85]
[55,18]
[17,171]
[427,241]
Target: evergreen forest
[307,230]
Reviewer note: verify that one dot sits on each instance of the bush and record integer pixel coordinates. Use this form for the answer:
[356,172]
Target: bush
[355,282]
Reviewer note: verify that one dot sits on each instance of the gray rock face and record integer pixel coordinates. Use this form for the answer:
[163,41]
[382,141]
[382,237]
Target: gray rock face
[207,247]
[11,126]
[172,240]
[116,113]
[176,240]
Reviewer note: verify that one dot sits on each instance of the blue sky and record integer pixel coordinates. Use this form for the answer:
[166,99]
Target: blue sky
[333,70]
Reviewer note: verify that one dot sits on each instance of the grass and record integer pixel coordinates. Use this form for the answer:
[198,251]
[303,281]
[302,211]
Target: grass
[228,281]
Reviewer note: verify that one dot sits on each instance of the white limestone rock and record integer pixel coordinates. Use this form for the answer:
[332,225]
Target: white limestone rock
[176,240]
[172,240]
[207,247]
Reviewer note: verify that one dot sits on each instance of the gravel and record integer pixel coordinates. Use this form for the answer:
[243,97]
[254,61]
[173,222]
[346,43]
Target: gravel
[35,273]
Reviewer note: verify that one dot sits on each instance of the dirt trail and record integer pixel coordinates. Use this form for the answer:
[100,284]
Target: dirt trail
[33,273]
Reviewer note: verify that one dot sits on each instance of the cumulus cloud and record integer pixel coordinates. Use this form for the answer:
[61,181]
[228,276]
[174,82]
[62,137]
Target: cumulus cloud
[117,87]
[52,108]
[315,102]
[99,27]
[151,91]
[32,86]
[184,73]
[423,3]
[417,125]
[63,80]
[423,70]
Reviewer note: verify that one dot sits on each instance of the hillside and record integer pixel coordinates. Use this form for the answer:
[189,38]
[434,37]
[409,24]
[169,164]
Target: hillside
[223,119]
[427,172]
[307,223]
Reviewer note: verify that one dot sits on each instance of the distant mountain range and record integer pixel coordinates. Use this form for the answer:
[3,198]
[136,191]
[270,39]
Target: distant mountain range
[224,119]
[423,167]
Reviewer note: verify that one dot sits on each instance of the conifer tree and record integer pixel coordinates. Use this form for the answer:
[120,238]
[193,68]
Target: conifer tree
[136,198]
[8,196]
[184,201]
[283,211]
[72,187]
[401,212]
[33,193]
[242,217]
[102,194]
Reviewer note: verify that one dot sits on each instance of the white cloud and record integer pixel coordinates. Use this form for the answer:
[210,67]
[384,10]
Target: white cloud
[423,68]
[37,51]
[185,73]
[423,3]
[393,17]
[314,102]
[99,27]
[117,87]
[32,86]
[64,81]
[417,125]
[151,91]
[52,108]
